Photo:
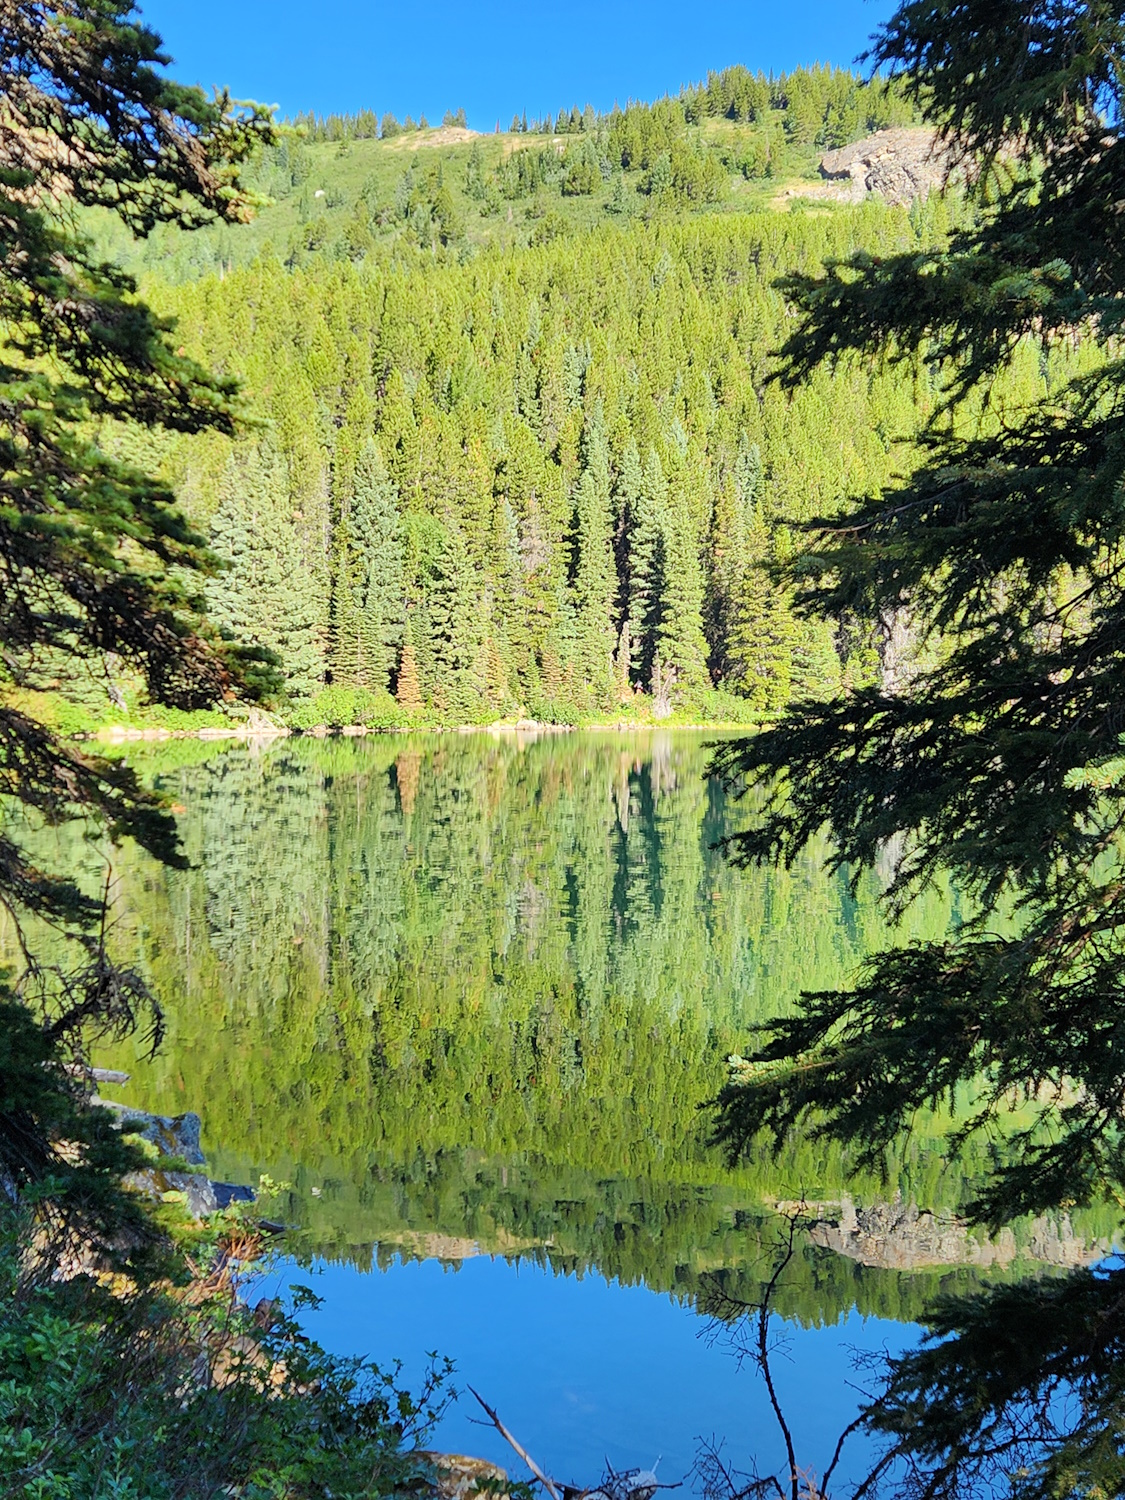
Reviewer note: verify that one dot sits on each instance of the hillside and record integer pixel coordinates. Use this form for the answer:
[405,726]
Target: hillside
[334,187]
[517,450]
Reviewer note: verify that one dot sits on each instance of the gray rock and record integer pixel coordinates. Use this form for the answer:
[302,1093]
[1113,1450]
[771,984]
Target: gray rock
[899,165]
[199,1194]
[232,1192]
[172,1135]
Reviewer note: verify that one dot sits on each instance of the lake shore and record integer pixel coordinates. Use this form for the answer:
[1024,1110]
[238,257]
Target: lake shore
[120,734]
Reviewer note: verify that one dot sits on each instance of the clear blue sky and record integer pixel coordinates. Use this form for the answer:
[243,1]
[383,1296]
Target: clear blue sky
[492,57]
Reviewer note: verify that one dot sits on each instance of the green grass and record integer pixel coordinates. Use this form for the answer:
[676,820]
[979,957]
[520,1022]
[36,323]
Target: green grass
[365,175]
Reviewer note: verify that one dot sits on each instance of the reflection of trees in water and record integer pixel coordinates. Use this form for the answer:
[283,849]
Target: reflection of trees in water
[398,968]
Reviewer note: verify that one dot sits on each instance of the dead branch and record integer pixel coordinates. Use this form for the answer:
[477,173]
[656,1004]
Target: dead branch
[548,1484]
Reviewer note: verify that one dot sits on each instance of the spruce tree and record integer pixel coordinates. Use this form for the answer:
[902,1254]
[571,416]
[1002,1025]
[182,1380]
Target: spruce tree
[269,595]
[455,630]
[648,568]
[368,587]
[760,625]
[593,578]
[680,640]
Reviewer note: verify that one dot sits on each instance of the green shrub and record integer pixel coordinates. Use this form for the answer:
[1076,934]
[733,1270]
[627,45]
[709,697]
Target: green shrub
[337,707]
[178,1393]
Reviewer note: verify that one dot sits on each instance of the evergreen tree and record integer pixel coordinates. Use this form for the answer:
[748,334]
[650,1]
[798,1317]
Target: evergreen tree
[96,558]
[648,570]
[756,623]
[761,630]
[368,589]
[680,640]
[269,596]
[408,689]
[593,579]
[455,630]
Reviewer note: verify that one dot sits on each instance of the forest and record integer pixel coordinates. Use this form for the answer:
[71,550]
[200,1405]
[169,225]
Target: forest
[543,474]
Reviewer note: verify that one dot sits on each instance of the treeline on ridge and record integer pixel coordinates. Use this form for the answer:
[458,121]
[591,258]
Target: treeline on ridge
[821,105]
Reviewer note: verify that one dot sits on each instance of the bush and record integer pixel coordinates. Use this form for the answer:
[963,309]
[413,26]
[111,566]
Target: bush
[337,707]
[178,1391]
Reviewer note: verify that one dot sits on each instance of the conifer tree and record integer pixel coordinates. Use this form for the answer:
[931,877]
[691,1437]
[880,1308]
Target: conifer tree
[269,596]
[626,498]
[761,628]
[593,580]
[757,624]
[408,689]
[368,592]
[648,570]
[680,640]
[95,556]
[455,629]
[1000,767]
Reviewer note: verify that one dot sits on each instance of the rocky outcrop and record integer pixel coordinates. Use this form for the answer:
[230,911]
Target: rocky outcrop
[198,1194]
[897,1236]
[898,165]
[176,1137]
[172,1135]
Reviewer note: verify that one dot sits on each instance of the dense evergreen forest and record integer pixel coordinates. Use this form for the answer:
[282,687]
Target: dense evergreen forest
[534,466]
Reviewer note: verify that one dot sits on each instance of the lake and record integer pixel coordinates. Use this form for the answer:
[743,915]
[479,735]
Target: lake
[464,998]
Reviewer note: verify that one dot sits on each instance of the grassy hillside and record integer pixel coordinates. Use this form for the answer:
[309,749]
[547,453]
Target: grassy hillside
[334,188]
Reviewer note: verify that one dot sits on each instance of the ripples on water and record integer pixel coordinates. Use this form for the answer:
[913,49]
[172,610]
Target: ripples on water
[465,995]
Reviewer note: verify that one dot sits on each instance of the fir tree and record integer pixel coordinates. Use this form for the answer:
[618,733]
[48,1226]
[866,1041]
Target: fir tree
[269,596]
[593,580]
[96,558]
[679,633]
[997,767]
[455,629]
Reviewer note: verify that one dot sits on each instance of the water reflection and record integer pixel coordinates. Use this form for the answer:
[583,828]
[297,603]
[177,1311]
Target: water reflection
[466,994]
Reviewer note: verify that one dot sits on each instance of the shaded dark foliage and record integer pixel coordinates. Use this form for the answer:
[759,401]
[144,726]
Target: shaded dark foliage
[998,758]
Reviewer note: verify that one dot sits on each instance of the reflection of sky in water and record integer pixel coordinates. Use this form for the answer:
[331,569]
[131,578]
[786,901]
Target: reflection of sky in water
[580,1368]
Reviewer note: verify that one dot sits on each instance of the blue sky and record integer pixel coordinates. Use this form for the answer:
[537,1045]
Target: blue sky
[493,57]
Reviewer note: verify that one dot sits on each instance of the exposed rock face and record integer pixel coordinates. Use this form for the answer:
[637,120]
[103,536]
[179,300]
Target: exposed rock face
[896,1236]
[899,165]
[176,1136]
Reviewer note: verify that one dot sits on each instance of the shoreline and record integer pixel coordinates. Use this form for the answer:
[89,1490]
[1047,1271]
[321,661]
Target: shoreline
[120,734]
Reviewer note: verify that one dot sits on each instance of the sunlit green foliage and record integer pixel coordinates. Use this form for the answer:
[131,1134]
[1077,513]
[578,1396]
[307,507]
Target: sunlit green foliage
[471,989]
[573,445]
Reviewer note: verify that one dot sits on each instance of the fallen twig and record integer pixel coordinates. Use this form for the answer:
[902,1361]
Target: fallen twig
[548,1484]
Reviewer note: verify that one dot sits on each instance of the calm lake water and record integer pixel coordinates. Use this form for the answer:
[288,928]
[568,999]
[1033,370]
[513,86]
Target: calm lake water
[464,997]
